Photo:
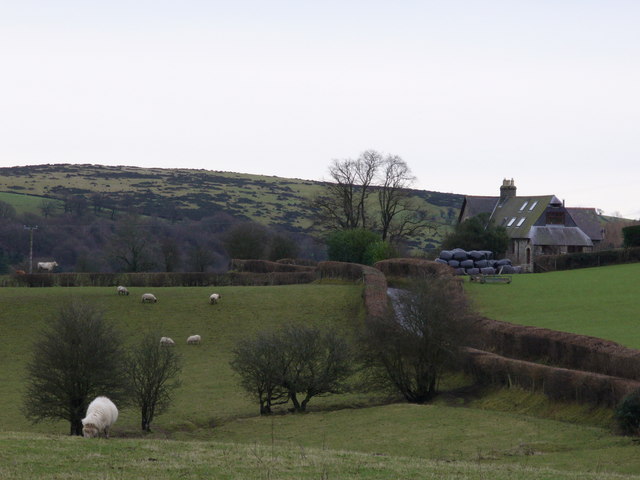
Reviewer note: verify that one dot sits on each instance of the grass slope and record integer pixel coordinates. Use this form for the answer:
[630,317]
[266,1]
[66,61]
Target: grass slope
[25,457]
[601,302]
[213,429]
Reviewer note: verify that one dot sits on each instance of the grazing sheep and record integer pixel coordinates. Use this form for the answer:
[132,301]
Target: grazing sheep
[122,290]
[47,266]
[101,415]
[167,342]
[194,340]
[149,298]
[214,298]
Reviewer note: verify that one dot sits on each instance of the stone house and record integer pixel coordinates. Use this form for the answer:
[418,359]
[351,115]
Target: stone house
[536,225]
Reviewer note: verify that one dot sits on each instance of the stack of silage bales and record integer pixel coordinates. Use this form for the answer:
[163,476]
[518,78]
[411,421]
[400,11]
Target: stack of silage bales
[476,262]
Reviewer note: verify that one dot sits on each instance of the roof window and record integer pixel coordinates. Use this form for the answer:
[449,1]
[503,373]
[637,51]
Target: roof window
[524,205]
[533,205]
[520,222]
[511,221]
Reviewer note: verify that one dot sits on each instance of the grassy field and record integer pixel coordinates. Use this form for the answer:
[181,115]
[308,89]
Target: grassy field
[601,302]
[213,430]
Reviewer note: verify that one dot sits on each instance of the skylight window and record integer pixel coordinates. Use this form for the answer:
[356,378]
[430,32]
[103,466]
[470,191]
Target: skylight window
[533,205]
[524,205]
[511,221]
[520,222]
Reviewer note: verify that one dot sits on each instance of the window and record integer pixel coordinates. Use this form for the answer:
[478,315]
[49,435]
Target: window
[520,222]
[511,221]
[524,205]
[533,205]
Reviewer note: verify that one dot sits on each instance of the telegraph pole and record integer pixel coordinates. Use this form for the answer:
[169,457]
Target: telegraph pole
[31,228]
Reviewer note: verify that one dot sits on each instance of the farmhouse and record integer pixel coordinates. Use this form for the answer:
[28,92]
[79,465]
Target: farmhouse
[536,225]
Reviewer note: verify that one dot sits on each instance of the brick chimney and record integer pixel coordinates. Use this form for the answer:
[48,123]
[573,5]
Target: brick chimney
[507,190]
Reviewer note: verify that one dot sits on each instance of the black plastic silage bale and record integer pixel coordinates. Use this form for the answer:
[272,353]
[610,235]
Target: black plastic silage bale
[477,255]
[481,264]
[454,263]
[459,254]
[473,271]
[468,263]
[446,254]
[488,271]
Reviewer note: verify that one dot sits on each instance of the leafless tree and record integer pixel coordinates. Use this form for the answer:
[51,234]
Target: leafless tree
[398,214]
[410,350]
[153,370]
[345,203]
[131,245]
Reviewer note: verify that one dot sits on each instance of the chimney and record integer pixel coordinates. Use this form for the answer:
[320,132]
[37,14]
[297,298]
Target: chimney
[507,190]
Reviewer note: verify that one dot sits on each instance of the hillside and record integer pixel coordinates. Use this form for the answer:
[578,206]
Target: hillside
[196,194]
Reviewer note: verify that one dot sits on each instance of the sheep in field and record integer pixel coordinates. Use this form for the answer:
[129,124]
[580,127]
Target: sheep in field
[167,342]
[101,415]
[122,290]
[214,298]
[149,298]
[194,340]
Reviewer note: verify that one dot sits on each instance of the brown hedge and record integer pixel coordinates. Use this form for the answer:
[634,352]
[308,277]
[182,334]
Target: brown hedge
[569,350]
[412,267]
[266,266]
[557,383]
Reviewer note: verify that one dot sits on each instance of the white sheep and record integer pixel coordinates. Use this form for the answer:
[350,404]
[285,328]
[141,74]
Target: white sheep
[213,298]
[194,340]
[122,290]
[101,415]
[149,298]
[167,342]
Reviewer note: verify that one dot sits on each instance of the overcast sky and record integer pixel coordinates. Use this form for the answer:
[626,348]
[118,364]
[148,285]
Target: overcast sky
[466,92]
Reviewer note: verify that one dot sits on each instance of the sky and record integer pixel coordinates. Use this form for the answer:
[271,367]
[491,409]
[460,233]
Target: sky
[466,92]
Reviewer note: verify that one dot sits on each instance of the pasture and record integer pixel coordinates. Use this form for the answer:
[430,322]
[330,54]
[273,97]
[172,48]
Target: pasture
[213,430]
[600,302]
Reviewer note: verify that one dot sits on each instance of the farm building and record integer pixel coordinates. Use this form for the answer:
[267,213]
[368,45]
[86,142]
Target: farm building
[536,225]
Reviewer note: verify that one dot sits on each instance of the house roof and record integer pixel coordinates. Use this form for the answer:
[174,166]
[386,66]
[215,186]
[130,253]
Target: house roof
[473,205]
[519,214]
[559,235]
[589,222]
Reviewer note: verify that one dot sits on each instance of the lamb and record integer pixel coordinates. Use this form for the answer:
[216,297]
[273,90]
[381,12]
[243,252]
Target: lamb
[214,298]
[194,340]
[167,342]
[149,298]
[101,415]
[122,290]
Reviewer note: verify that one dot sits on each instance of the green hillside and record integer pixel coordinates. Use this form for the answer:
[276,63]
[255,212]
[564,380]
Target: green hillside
[175,193]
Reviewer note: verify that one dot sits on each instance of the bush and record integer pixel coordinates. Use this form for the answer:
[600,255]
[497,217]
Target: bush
[627,414]
[350,245]
[631,236]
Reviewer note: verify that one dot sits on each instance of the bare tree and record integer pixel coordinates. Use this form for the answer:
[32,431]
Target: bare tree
[409,351]
[344,204]
[296,363]
[152,369]
[131,245]
[261,367]
[78,357]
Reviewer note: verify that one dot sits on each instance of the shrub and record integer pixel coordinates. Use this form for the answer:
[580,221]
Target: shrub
[631,236]
[627,414]
[350,245]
